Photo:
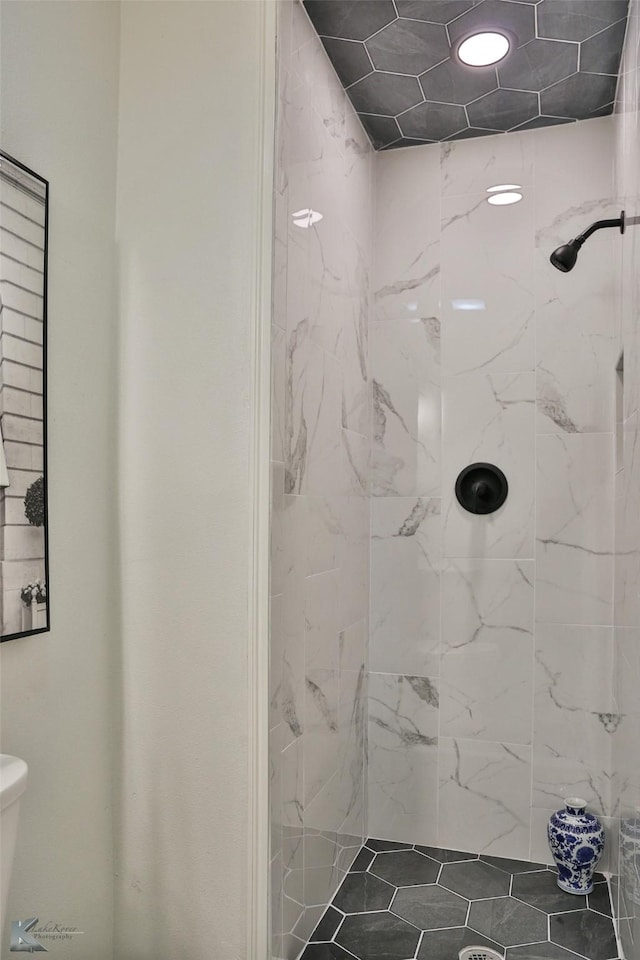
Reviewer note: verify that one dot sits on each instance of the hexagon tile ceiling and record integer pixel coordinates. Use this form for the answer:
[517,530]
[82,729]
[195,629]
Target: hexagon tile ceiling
[394,58]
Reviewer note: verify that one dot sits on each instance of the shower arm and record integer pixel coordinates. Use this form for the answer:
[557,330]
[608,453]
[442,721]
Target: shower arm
[620,221]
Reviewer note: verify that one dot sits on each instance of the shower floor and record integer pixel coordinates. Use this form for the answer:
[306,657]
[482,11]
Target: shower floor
[400,902]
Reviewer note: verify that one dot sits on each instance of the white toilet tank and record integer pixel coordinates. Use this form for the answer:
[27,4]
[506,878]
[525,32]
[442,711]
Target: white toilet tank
[13,780]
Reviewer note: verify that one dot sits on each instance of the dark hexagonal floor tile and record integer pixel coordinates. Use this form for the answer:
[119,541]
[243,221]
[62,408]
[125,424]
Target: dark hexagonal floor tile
[586,933]
[378,936]
[385,845]
[325,951]
[405,868]
[430,907]
[541,890]
[361,892]
[446,944]
[474,879]
[513,866]
[362,860]
[327,925]
[600,900]
[539,951]
[446,856]
[507,921]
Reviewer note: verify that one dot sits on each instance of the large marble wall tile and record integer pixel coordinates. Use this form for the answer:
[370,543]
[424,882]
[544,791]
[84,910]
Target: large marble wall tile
[489,418]
[574,719]
[471,166]
[313,417]
[484,797]
[352,353]
[487,640]
[405,371]
[321,729]
[574,528]
[403,758]
[405,585]
[278,379]
[627,558]
[353,559]
[574,179]
[407,234]
[576,341]
[487,284]
[626,742]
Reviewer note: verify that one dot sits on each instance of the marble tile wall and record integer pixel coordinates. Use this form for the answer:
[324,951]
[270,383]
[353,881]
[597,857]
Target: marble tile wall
[626,651]
[491,637]
[320,485]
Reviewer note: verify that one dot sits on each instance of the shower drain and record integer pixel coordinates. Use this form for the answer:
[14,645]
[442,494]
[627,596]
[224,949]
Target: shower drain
[479,953]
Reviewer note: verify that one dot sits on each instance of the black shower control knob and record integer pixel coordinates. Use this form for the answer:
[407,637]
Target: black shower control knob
[481,488]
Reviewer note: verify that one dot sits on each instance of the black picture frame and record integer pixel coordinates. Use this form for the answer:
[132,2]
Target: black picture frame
[6,161]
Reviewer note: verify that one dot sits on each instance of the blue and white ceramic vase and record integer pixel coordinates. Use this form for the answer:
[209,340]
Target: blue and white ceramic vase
[576,839]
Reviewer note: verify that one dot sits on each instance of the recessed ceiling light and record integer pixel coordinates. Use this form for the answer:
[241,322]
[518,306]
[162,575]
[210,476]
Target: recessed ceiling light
[503,186]
[483,49]
[504,199]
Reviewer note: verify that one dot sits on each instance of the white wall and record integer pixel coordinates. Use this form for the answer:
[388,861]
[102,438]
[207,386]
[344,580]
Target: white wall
[188,172]
[59,87]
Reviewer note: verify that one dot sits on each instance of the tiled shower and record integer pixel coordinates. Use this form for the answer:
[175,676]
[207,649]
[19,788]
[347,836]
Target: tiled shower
[439,678]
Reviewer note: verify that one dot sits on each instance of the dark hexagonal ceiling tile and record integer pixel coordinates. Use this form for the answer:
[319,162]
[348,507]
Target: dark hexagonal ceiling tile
[407,142]
[435,121]
[430,907]
[349,59]
[474,879]
[577,19]
[448,943]
[382,130]
[503,109]
[601,54]
[538,64]
[471,132]
[507,921]
[579,96]
[405,868]
[349,20]
[378,936]
[586,933]
[408,46]
[451,82]
[396,63]
[541,890]
[361,892]
[542,121]
[385,93]
[435,11]
[517,18]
